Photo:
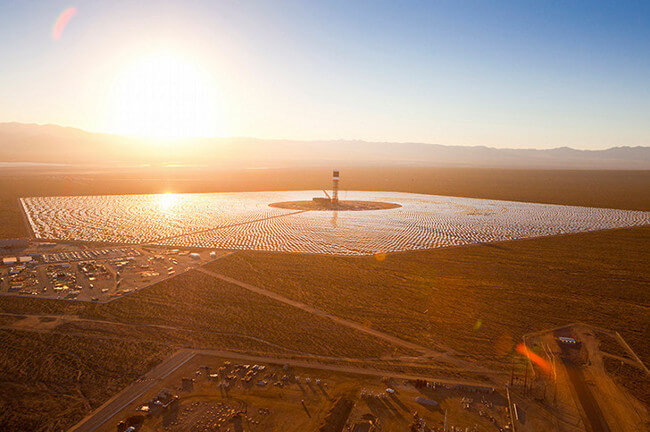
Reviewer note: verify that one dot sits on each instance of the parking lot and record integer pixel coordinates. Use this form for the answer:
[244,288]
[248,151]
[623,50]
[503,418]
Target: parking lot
[96,274]
[245,393]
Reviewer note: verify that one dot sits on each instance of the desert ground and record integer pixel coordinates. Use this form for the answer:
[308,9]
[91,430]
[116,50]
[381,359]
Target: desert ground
[456,307]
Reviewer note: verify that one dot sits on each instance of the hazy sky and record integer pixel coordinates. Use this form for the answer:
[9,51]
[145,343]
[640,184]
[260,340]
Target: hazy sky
[505,74]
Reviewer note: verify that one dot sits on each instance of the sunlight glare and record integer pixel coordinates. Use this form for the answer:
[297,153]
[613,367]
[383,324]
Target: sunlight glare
[163,96]
[167,201]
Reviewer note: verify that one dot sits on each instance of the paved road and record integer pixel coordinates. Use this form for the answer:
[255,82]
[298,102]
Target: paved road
[178,359]
[132,392]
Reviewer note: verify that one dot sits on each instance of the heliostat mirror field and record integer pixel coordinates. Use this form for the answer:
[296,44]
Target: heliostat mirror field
[245,221]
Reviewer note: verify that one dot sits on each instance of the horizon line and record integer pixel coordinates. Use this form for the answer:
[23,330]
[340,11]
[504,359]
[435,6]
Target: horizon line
[235,137]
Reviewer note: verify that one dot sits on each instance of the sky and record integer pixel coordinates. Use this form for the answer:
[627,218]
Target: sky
[520,74]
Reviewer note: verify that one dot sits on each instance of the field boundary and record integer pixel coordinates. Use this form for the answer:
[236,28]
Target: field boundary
[415,229]
[27,219]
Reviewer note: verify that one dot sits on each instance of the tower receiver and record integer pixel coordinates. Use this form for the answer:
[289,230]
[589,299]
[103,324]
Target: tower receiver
[335,188]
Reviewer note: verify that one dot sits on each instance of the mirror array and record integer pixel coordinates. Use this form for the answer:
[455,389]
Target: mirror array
[245,221]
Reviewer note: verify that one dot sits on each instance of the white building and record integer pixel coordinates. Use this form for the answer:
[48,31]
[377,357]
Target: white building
[9,260]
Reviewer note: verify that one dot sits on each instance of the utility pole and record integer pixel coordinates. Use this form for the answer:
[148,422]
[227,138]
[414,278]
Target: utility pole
[445,428]
[551,357]
[554,381]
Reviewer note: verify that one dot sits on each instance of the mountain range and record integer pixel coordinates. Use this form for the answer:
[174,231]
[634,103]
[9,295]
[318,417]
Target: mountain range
[52,144]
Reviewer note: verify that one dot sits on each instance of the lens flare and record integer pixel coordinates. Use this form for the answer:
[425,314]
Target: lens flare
[62,21]
[524,351]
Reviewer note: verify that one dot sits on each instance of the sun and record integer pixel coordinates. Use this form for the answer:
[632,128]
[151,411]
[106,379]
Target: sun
[163,95]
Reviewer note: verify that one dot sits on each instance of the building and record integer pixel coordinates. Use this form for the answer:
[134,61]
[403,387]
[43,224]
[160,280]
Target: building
[425,401]
[9,260]
[567,340]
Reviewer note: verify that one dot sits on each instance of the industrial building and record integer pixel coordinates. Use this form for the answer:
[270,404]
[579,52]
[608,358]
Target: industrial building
[9,260]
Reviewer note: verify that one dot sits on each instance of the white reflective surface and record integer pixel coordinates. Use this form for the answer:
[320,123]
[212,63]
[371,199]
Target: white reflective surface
[245,221]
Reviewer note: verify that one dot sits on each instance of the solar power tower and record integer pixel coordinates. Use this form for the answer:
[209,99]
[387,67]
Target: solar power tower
[335,188]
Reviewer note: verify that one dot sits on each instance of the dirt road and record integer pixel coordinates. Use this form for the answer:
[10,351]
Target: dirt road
[593,416]
[178,359]
[426,353]
[49,323]
[347,323]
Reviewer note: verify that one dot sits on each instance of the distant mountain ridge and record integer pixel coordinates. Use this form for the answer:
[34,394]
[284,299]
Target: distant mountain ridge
[54,144]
